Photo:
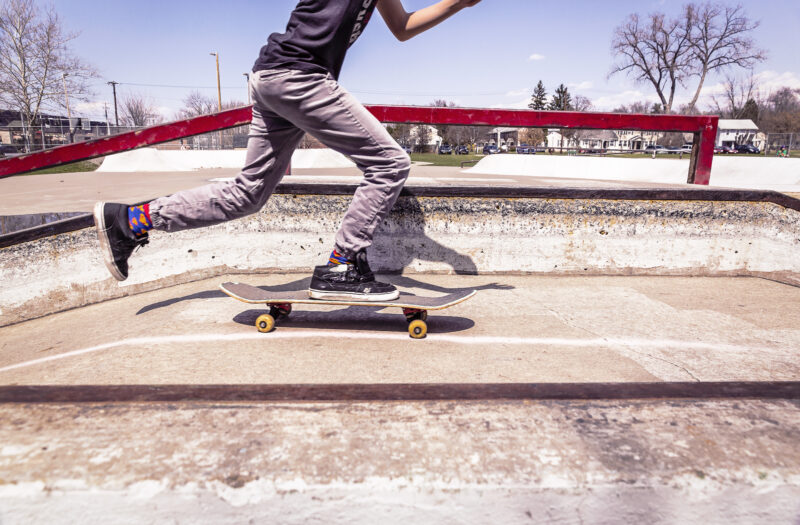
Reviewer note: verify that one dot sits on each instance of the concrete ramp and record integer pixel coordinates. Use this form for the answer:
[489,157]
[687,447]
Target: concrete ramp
[158,160]
[729,171]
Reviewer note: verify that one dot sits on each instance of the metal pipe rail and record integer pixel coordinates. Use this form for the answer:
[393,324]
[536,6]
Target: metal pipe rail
[704,129]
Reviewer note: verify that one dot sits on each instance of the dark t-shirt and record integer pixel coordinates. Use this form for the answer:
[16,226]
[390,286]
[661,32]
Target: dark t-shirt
[317,37]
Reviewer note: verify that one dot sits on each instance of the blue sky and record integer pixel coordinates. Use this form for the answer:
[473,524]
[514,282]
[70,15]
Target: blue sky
[491,55]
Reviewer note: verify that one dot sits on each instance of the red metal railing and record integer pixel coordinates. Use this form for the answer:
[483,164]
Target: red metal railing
[704,129]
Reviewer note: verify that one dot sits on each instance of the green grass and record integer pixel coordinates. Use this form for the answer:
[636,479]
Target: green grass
[443,160]
[78,167]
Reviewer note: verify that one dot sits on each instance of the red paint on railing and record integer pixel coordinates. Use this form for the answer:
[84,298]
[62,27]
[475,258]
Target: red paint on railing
[704,129]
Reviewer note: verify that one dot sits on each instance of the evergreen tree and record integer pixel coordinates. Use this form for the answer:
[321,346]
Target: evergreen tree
[750,111]
[539,98]
[562,100]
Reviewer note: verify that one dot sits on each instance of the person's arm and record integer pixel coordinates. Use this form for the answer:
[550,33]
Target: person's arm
[404,25]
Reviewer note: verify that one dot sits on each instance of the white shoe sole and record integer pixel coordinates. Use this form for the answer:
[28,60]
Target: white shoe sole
[358,297]
[105,246]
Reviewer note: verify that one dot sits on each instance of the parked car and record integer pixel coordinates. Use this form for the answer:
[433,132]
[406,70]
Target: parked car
[673,150]
[525,149]
[748,148]
[687,148]
[655,148]
[7,150]
[408,149]
[445,149]
[490,150]
[725,150]
[462,150]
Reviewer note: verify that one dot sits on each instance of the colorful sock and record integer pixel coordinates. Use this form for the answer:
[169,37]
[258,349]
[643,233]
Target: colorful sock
[139,219]
[337,258]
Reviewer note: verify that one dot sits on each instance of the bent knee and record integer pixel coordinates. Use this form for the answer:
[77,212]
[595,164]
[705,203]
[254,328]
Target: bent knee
[402,162]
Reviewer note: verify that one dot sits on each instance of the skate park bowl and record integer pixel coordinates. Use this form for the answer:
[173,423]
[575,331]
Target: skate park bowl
[631,355]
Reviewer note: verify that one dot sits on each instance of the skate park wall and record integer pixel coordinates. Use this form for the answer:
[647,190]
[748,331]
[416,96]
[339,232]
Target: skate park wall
[425,233]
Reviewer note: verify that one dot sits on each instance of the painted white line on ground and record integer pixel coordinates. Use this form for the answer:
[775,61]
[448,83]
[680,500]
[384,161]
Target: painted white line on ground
[655,344]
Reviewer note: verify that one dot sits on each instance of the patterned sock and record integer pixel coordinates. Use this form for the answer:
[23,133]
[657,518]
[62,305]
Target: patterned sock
[139,219]
[337,258]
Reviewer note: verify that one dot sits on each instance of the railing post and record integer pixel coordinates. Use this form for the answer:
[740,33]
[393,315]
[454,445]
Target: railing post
[703,154]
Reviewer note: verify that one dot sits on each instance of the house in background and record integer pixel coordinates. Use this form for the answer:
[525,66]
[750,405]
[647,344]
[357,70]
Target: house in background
[742,131]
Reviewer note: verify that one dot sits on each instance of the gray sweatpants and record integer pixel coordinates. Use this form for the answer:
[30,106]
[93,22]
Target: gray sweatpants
[289,103]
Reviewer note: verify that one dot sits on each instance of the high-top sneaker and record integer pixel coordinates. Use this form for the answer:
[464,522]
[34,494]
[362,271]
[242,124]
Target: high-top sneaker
[351,281]
[117,240]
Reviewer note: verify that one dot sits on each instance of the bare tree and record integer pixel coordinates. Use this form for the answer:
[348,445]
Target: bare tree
[443,130]
[782,112]
[36,63]
[667,53]
[139,111]
[721,39]
[739,100]
[196,104]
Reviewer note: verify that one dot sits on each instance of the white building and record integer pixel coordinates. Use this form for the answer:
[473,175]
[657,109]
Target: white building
[743,131]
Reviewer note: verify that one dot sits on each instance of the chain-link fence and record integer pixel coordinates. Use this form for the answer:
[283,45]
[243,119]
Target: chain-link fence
[784,144]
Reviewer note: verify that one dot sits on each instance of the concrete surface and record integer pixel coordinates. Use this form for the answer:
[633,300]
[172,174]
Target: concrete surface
[680,461]
[517,329]
[630,461]
[157,160]
[729,171]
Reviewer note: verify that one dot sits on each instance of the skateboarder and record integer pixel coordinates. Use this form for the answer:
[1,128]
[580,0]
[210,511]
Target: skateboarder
[295,90]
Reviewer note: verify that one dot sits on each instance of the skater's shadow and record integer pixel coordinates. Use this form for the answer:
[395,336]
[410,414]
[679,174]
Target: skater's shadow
[402,240]
[294,286]
[359,318]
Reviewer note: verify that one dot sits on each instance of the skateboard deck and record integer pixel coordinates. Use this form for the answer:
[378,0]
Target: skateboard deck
[414,307]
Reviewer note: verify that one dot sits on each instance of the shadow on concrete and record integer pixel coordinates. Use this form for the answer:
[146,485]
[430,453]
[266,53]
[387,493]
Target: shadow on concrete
[412,223]
[358,318]
[294,286]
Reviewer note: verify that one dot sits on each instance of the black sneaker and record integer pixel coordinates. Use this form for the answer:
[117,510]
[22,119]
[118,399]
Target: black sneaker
[350,282]
[117,240]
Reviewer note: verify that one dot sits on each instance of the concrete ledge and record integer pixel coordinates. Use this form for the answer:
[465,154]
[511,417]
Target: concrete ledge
[458,233]
[605,462]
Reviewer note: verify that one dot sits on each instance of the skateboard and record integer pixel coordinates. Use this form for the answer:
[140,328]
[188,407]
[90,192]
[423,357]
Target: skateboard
[414,307]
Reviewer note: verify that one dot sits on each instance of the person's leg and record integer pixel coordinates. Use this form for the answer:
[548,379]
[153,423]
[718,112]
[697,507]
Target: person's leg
[319,106]
[270,146]
[332,115]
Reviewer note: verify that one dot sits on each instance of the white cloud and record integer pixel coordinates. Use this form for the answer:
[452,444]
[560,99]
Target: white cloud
[522,104]
[517,92]
[536,56]
[586,84]
[609,102]
[94,109]
[772,80]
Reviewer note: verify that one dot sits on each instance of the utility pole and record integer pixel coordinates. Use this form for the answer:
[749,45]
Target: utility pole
[249,98]
[219,86]
[219,94]
[116,114]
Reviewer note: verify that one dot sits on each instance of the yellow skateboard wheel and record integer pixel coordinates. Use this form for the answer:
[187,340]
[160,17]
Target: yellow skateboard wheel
[418,329]
[265,323]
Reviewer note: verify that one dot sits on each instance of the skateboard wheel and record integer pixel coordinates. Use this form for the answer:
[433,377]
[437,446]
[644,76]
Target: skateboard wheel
[418,329]
[265,323]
